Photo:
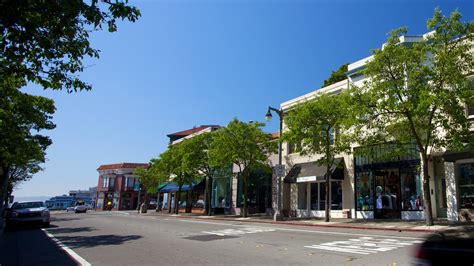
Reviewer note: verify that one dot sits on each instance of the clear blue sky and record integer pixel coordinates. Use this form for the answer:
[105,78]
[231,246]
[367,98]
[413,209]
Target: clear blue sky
[187,63]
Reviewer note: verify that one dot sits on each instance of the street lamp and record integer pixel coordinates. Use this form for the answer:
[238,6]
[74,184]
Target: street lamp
[279,173]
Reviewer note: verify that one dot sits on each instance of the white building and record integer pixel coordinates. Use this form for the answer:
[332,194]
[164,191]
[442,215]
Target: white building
[372,190]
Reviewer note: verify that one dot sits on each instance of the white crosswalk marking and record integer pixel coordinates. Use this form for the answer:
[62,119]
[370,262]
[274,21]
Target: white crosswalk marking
[240,231]
[364,245]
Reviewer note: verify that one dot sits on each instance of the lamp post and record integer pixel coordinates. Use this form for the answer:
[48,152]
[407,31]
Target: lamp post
[268,117]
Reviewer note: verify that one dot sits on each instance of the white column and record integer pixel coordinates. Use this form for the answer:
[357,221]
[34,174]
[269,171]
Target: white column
[451,198]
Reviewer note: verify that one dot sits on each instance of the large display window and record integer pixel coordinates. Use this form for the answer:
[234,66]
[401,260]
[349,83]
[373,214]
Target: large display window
[365,191]
[412,194]
[302,195]
[318,195]
[221,188]
[466,186]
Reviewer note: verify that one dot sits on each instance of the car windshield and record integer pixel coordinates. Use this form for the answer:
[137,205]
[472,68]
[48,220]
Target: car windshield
[27,205]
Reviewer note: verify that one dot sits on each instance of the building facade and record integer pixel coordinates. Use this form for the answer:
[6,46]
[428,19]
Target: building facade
[117,184]
[376,189]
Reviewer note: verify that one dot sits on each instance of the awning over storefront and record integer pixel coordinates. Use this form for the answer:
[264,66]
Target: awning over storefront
[173,187]
[308,172]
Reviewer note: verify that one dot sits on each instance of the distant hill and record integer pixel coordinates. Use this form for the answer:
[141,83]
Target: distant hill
[32,198]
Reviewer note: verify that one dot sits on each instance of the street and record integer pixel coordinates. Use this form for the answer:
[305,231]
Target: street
[121,238]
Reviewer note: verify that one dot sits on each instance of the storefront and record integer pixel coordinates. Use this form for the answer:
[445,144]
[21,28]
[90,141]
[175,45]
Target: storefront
[191,198]
[388,186]
[259,191]
[311,188]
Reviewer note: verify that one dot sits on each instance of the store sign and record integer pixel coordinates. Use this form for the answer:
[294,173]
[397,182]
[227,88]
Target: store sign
[305,179]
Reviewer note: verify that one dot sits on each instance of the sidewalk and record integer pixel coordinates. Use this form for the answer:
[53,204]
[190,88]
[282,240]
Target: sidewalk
[387,225]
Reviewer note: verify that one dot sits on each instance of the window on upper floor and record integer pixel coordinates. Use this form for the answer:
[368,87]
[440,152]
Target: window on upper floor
[470,108]
[109,182]
[129,182]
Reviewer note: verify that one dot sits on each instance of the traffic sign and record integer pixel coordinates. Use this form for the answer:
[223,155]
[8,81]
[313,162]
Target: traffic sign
[280,170]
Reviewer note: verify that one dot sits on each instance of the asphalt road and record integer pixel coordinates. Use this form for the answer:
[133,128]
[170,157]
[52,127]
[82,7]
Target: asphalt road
[119,238]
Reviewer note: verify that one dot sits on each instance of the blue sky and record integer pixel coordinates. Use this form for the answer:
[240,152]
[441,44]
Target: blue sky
[187,63]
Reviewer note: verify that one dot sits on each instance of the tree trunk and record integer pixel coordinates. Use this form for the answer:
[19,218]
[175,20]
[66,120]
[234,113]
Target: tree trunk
[4,178]
[158,201]
[245,209]
[176,200]
[208,196]
[426,191]
[145,200]
[328,198]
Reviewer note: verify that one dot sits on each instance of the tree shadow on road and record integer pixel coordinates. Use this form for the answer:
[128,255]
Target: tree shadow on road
[67,230]
[94,241]
[31,247]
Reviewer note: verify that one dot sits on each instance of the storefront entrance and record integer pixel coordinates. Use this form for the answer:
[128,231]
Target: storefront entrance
[387,194]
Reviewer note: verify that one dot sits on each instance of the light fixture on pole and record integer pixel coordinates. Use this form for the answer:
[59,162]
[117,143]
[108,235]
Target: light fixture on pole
[279,169]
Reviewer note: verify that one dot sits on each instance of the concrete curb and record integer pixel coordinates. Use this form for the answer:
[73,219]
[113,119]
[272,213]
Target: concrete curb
[342,226]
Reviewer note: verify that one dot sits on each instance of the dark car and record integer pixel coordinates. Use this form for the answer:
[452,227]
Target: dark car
[452,247]
[27,212]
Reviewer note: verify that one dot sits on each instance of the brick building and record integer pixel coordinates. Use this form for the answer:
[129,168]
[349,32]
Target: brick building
[118,185]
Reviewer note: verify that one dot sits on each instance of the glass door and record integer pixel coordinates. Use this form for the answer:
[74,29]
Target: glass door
[441,197]
[387,194]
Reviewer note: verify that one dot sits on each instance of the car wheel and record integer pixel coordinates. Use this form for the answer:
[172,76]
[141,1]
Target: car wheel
[46,224]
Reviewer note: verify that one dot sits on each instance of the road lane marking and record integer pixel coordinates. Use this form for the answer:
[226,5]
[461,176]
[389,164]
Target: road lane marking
[202,222]
[241,231]
[364,245]
[69,251]
[305,231]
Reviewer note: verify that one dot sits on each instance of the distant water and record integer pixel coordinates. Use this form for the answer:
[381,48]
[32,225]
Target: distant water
[33,198]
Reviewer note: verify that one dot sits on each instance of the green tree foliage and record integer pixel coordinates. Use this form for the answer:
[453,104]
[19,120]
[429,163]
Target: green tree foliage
[152,178]
[337,76]
[321,126]
[246,146]
[198,161]
[22,118]
[45,42]
[179,165]
[417,92]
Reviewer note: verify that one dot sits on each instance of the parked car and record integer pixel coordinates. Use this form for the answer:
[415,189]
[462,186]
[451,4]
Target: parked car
[447,247]
[27,212]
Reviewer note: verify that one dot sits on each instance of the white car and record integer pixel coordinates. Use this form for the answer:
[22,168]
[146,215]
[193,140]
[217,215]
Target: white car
[77,209]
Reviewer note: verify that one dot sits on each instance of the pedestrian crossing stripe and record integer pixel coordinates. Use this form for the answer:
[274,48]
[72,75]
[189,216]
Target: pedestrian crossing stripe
[240,231]
[364,245]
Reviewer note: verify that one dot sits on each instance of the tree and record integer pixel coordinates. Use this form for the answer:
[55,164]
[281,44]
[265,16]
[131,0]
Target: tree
[416,92]
[45,42]
[321,126]
[177,163]
[19,174]
[336,76]
[152,178]
[246,146]
[22,118]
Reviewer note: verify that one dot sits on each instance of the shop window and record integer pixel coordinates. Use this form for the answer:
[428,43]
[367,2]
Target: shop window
[336,195]
[364,193]
[314,196]
[221,192]
[302,196]
[412,196]
[466,186]
[322,196]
